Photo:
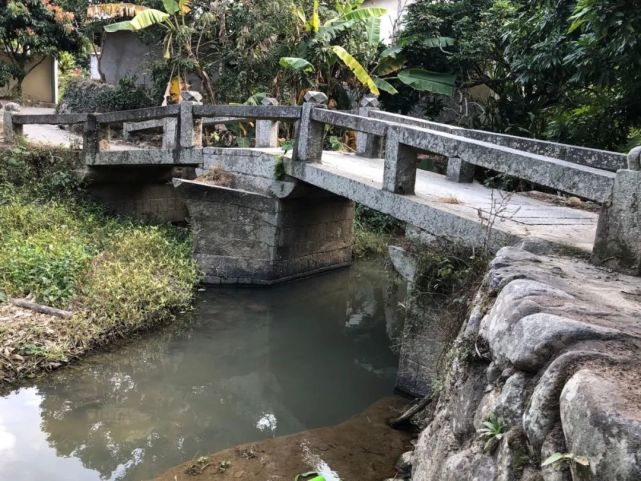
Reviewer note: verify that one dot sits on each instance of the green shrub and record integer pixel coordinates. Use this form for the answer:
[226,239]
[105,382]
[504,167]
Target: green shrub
[373,231]
[93,96]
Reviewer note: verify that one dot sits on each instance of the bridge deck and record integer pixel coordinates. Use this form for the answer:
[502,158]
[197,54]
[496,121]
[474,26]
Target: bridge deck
[447,208]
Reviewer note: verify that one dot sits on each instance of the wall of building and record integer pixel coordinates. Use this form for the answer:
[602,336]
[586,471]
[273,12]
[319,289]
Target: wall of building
[40,85]
[124,55]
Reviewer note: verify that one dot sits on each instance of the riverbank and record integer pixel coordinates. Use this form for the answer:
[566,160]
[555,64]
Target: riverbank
[541,383]
[363,448]
[109,276]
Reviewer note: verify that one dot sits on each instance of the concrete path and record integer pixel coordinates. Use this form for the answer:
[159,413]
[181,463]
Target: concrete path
[54,135]
[447,208]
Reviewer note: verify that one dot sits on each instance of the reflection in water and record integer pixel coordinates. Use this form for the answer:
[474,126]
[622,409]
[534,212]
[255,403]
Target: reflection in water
[249,364]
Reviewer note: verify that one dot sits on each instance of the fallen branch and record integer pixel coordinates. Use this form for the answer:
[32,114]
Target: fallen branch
[50,311]
[404,419]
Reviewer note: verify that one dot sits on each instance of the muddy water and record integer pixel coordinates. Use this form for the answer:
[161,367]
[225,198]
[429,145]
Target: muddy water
[248,364]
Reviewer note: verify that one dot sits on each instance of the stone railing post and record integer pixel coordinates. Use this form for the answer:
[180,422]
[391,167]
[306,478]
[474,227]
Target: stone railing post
[267,130]
[11,130]
[618,235]
[399,173]
[90,139]
[368,145]
[309,141]
[459,170]
[191,130]
[169,133]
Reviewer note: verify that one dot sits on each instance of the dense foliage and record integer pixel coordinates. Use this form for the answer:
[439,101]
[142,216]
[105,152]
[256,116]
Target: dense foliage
[31,30]
[92,96]
[561,70]
[116,275]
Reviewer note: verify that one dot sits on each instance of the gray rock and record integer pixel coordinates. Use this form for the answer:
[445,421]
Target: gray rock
[404,263]
[12,107]
[601,417]
[404,463]
[469,465]
[510,404]
[315,97]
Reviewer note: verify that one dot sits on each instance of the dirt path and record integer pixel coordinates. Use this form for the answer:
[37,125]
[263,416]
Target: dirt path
[364,448]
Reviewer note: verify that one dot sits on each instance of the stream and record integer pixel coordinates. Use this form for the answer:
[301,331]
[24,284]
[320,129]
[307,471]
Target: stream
[245,365]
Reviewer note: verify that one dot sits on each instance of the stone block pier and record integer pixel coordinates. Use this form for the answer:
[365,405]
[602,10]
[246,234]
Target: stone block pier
[281,214]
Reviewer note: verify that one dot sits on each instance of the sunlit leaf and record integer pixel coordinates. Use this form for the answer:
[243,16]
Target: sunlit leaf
[357,69]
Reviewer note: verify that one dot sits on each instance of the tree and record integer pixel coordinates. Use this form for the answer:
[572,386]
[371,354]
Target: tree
[563,70]
[347,43]
[31,30]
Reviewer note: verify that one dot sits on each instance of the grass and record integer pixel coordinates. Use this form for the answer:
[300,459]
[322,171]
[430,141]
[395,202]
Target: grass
[116,275]
[373,231]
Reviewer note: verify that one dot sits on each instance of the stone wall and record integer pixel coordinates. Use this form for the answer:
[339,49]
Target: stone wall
[552,350]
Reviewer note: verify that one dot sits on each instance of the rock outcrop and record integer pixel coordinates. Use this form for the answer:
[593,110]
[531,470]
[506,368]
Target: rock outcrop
[551,358]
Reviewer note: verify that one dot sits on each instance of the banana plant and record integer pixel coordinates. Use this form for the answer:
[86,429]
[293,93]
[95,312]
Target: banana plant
[321,35]
[177,43]
[387,66]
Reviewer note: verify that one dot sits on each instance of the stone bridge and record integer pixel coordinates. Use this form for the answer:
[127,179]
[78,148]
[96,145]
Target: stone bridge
[265,214]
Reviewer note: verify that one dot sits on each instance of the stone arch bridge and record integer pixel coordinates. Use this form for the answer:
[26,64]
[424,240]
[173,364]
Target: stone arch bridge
[262,215]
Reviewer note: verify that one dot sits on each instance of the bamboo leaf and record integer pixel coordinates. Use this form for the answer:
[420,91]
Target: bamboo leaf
[385,86]
[296,63]
[142,20]
[357,69]
[426,81]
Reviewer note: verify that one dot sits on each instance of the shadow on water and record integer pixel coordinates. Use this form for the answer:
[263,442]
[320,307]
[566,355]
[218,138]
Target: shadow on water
[245,365]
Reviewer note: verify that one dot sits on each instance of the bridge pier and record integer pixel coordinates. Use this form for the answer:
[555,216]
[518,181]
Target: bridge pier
[251,229]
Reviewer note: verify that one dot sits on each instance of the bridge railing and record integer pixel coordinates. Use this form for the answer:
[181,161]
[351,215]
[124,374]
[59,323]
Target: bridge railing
[403,142]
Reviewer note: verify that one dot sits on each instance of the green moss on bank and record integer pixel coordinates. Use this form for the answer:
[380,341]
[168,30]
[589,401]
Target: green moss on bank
[116,275]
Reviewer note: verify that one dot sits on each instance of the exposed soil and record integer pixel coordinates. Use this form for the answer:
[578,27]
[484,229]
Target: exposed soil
[364,448]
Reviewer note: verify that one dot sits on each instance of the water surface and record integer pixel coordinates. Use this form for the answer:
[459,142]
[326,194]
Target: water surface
[247,364]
